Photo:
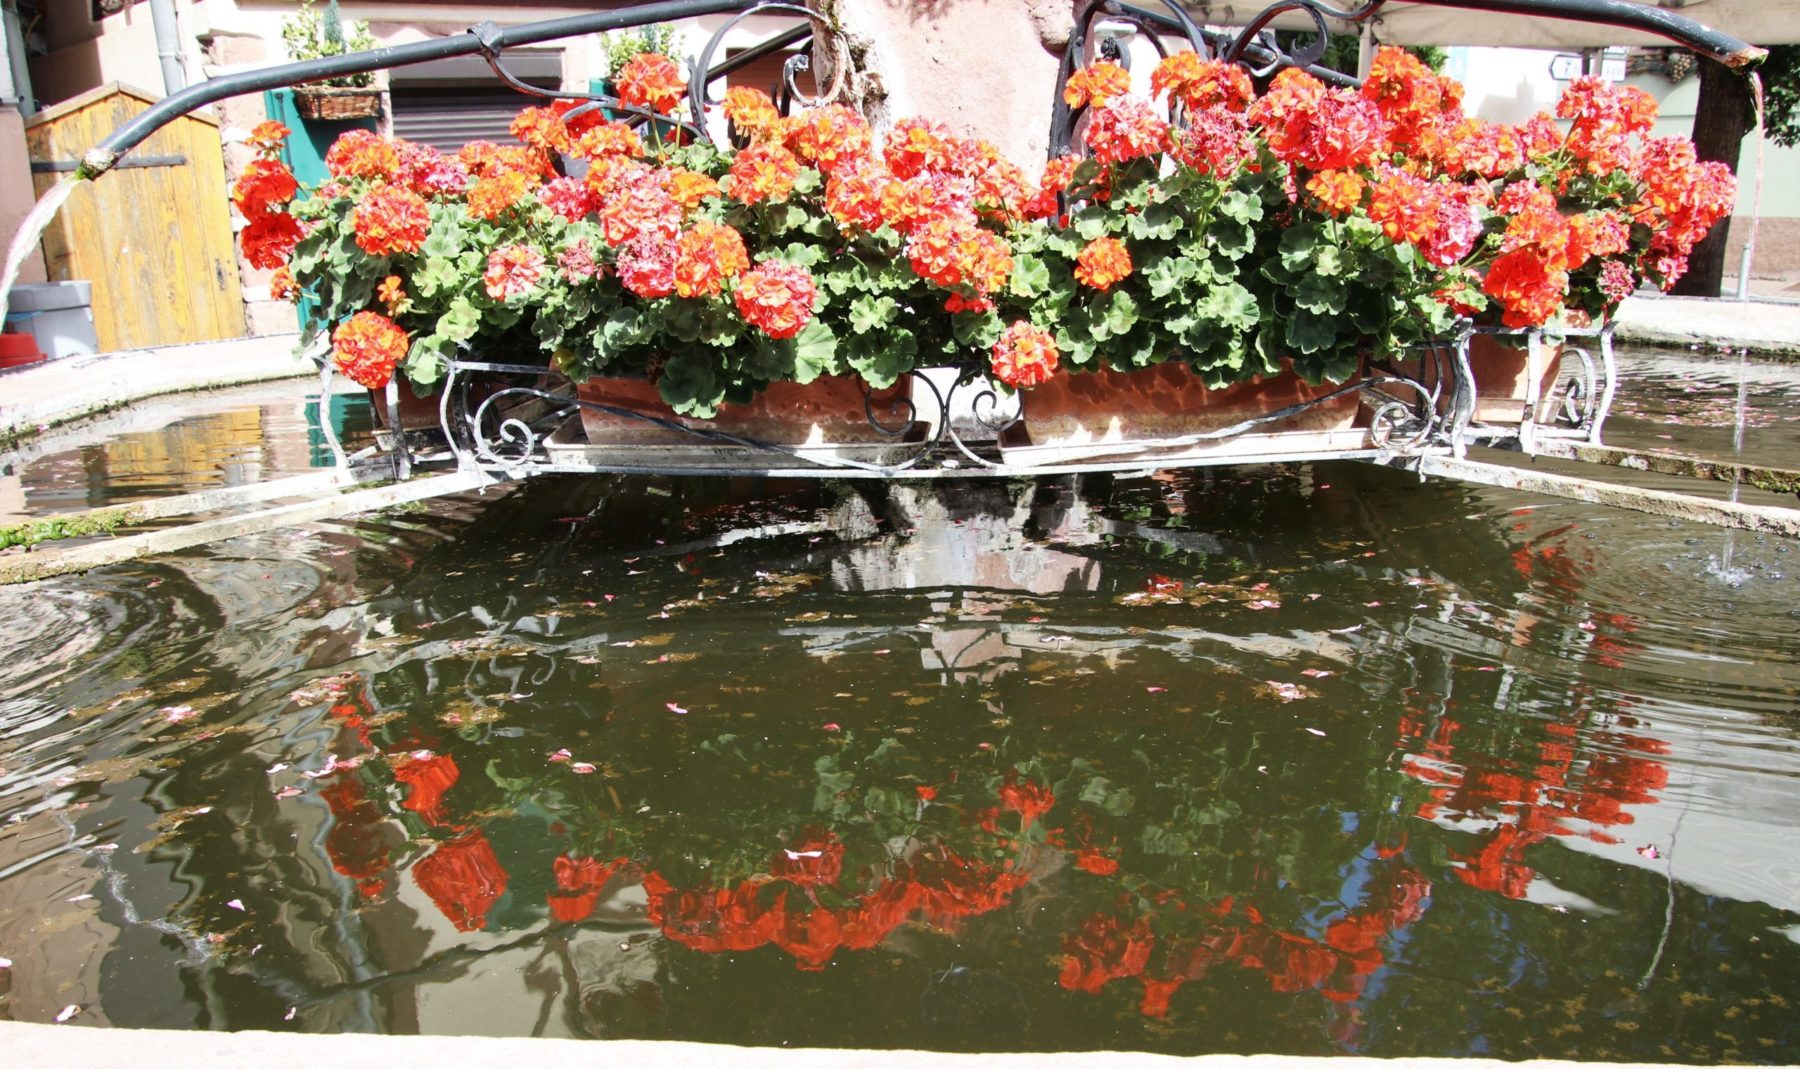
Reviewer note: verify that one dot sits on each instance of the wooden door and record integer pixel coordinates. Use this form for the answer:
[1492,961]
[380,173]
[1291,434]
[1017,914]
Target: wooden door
[153,235]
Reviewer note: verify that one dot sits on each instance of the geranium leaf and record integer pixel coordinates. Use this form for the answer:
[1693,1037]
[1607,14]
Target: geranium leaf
[815,353]
[867,313]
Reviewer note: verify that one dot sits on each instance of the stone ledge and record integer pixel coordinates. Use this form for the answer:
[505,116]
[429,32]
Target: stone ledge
[1767,328]
[36,398]
[72,1047]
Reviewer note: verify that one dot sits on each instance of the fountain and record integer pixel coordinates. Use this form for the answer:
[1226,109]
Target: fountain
[1285,755]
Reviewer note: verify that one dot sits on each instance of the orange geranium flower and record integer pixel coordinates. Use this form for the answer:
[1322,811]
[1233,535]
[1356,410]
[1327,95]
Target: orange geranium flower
[393,294]
[706,256]
[916,145]
[264,182]
[638,206]
[389,220]
[689,188]
[492,196]
[268,136]
[751,112]
[762,172]
[282,286]
[853,196]
[830,137]
[607,140]
[651,80]
[367,346]
[269,239]
[1413,99]
[1024,356]
[1125,130]
[1528,285]
[1338,192]
[776,297]
[1202,83]
[513,271]
[361,154]
[1102,263]
[1404,204]
[541,128]
[1096,84]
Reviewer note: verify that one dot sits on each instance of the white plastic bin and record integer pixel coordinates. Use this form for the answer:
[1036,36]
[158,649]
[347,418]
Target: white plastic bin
[59,315]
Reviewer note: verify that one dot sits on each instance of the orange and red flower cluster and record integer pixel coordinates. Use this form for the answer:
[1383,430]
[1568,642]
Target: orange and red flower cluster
[1514,218]
[367,346]
[261,194]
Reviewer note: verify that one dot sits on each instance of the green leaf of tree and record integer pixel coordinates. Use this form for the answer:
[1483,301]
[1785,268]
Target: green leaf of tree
[1309,332]
[1030,277]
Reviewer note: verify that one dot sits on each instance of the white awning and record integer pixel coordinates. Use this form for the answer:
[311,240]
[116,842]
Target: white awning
[1758,22]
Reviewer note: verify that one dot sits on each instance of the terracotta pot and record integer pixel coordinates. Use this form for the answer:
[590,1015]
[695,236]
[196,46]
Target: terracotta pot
[1504,374]
[1169,400]
[421,413]
[827,411]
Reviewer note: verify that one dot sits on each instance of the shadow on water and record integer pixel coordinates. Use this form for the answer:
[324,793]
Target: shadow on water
[1281,759]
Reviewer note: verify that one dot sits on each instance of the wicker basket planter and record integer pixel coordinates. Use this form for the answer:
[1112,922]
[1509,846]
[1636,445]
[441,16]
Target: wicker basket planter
[331,103]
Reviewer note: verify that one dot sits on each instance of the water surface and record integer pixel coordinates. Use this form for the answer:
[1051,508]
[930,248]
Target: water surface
[1303,758]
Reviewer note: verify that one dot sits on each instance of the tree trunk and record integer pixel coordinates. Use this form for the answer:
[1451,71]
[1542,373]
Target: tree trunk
[1721,120]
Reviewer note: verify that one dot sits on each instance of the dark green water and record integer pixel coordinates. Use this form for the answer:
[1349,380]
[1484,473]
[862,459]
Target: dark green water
[1294,759]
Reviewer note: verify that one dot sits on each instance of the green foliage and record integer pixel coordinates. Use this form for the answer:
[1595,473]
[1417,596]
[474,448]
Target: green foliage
[1781,94]
[625,45]
[83,525]
[312,34]
[1343,50]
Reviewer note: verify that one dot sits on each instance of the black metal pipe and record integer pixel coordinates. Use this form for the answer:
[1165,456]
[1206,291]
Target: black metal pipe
[1733,53]
[484,38]
[755,52]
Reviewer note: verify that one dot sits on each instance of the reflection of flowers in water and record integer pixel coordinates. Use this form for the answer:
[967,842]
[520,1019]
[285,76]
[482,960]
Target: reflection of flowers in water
[579,882]
[427,776]
[1338,963]
[463,878]
[355,844]
[936,886]
[1577,776]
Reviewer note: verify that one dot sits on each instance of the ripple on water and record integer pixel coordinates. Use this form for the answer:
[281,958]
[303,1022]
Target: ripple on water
[1383,767]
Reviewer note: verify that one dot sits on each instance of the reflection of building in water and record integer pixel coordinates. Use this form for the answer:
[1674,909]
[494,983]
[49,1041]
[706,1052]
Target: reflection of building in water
[972,538]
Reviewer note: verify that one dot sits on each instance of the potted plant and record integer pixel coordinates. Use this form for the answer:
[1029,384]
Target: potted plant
[311,34]
[1256,248]
[623,46]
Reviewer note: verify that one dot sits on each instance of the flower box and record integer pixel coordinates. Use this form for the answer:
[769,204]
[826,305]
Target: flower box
[822,421]
[1503,376]
[1106,413]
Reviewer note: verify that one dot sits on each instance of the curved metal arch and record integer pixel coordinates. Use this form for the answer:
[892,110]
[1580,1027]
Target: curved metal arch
[701,73]
[1062,116]
[1317,10]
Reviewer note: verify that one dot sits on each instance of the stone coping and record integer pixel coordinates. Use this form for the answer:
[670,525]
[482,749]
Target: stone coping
[70,1046]
[35,398]
[1767,328]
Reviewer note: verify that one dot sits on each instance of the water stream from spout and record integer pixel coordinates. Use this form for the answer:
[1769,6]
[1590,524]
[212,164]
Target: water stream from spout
[30,230]
[1737,437]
